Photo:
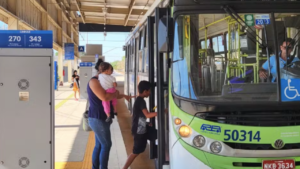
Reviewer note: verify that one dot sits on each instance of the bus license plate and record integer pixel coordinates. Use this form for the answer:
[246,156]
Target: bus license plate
[279,164]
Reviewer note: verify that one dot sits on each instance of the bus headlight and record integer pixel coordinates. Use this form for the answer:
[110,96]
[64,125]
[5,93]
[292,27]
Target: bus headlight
[184,131]
[216,147]
[199,141]
[177,121]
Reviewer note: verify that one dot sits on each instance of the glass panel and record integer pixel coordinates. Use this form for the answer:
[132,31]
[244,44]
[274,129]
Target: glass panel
[141,39]
[220,44]
[202,44]
[141,66]
[215,44]
[288,56]
[146,60]
[211,77]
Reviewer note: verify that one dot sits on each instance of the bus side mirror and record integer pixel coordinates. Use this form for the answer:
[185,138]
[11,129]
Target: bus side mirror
[165,34]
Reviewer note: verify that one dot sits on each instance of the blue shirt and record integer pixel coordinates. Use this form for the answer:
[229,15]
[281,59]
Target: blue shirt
[273,65]
[96,109]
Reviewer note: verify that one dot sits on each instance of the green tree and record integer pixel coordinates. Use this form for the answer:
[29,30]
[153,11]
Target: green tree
[114,64]
[119,65]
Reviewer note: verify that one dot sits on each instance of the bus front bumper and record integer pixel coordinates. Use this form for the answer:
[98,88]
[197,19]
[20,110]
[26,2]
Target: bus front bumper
[183,159]
[184,156]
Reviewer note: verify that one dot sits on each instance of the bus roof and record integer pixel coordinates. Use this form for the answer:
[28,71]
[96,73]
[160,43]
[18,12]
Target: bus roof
[150,11]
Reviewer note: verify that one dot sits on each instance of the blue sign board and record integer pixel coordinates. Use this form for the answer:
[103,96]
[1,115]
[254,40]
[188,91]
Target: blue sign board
[290,89]
[262,22]
[263,19]
[81,48]
[86,64]
[26,39]
[69,51]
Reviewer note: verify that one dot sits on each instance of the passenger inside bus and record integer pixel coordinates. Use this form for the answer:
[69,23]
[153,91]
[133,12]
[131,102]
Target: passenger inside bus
[285,54]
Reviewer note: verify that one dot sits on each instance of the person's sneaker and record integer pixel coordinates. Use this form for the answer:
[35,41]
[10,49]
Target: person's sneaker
[108,120]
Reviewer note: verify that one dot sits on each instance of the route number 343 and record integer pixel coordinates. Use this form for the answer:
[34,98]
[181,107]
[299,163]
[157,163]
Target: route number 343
[241,135]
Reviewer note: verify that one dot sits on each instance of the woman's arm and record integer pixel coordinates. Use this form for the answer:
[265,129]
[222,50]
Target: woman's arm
[100,92]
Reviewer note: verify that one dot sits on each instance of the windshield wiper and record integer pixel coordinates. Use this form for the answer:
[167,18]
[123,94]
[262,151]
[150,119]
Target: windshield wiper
[236,17]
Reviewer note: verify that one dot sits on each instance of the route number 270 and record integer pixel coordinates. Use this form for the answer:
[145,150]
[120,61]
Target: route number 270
[242,135]
[14,38]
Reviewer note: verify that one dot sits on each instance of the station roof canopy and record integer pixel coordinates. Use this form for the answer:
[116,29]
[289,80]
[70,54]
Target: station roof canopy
[110,12]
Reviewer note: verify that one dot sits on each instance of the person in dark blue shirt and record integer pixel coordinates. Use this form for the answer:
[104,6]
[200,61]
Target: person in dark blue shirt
[286,49]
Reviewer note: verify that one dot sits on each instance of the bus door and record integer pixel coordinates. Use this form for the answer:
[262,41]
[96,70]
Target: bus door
[132,72]
[152,79]
[164,26]
[127,61]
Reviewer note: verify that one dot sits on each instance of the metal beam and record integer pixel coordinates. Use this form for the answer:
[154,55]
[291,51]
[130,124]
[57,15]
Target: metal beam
[100,20]
[100,28]
[78,7]
[129,13]
[110,10]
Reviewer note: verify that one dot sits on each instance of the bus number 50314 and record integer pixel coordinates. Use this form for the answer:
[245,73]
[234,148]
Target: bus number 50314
[241,135]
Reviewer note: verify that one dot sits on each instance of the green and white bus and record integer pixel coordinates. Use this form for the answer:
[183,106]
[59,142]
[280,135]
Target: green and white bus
[226,82]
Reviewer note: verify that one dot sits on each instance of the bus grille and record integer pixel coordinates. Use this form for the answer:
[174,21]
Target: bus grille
[267,119]
[244,146]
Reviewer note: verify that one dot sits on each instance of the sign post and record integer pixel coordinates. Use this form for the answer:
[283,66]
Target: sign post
[25,97]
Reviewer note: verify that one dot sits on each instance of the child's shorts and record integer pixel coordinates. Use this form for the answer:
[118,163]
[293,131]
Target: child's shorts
[140,140]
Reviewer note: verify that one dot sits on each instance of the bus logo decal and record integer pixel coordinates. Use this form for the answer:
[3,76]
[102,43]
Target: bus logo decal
[211,129]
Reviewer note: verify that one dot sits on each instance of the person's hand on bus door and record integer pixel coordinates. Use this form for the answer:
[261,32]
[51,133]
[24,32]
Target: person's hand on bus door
[128,98]
[263,74]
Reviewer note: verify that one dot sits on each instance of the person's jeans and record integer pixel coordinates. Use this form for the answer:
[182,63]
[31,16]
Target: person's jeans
[103,143]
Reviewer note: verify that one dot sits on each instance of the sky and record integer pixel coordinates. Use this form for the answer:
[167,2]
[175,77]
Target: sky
[112,43]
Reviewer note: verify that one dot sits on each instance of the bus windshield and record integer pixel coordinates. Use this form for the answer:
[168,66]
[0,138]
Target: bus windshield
[220,57]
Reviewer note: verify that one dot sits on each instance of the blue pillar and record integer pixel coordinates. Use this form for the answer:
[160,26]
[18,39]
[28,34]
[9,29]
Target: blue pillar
[55,75]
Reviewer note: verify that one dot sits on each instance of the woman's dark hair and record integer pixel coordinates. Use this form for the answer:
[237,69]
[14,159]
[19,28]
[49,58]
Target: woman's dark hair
[104,66]
[144,86]
[75,71]
[98,64]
